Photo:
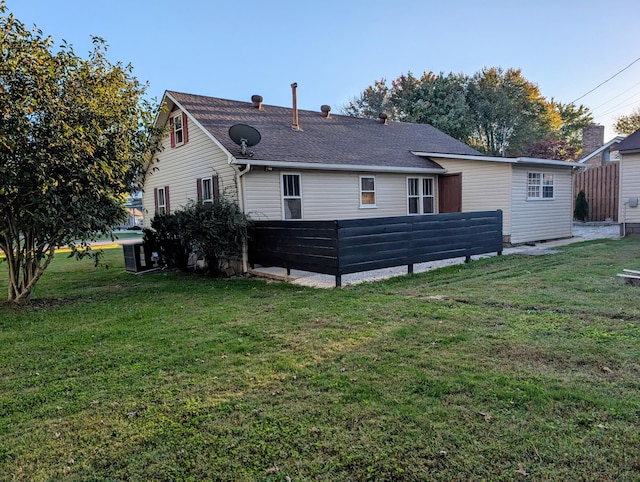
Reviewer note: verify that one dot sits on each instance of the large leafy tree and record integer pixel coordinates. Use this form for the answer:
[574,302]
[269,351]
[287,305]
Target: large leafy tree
[628,124]
[435,99]
[74,136]
[496,111]
[508,112]
[564,139]
[371,102]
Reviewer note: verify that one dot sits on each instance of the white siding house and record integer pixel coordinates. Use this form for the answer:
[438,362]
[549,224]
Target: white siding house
[535,195]
[629,206]
[540,217]
[323,192]
[176,169]
[329,167]
[486,186]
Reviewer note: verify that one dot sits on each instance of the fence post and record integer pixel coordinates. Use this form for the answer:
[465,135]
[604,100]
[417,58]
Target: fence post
[501,231]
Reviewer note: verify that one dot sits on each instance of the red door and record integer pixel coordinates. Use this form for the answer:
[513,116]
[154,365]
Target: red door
[450,193]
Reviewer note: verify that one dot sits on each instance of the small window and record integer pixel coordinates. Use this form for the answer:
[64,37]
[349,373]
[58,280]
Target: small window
[207,191]
[420,196]
[540,186]
[291,196]
[367,192]
[413,195]
[162,201]
[178,132]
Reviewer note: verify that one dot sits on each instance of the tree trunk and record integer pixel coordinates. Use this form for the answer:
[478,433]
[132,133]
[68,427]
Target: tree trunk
[26,263]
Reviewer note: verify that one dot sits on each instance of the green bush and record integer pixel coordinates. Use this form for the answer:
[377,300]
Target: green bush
[215,232]
[167,238]
[581,210]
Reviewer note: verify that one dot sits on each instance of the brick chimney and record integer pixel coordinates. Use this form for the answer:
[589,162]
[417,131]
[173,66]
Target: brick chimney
[592,139]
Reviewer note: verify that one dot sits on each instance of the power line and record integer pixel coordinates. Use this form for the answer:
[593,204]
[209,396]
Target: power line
[601,84]
[616,110]
[620,105]
[614,98]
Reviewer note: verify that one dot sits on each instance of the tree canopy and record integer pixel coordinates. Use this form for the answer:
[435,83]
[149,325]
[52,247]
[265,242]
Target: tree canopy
[628,124]
[496,111]
[74,138]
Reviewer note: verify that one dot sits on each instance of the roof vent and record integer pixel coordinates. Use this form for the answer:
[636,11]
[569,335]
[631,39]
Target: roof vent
[325,109]
[383,118]
[294,122]
[256,101]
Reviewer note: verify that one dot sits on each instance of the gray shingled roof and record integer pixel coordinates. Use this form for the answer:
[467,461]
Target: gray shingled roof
[631,143]
[336,140]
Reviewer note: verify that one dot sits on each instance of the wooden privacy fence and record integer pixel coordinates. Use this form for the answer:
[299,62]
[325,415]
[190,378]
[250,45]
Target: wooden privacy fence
[350,246]
[600,185]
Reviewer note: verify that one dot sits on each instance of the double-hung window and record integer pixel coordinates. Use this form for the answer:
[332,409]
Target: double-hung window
[291,196]
[207,190]
[420,195]
[178,129]
[367,192]
[539,186]
[162,201]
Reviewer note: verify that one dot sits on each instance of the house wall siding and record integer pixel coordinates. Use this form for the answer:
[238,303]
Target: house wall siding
[180,167]
[261,190]
[537,220]
[486,186]
[326,195]
[629,188]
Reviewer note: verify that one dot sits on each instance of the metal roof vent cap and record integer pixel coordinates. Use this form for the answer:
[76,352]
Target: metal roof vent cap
[383,118]
[325,109]
[256,101]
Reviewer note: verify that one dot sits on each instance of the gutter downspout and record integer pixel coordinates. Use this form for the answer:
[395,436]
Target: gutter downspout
[241,201]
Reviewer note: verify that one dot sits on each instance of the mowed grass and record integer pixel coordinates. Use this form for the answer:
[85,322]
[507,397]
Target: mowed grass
[507,366]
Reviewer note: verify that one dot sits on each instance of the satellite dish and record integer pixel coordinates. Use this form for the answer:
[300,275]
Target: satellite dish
[244,135]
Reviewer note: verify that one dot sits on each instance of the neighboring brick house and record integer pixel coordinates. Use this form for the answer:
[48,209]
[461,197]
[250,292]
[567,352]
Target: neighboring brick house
[595,152]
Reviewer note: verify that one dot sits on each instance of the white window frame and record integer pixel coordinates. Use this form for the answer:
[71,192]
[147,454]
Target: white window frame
[177,120]
[420,195]
[162,201]
[367,191]
[294,196]
[540,185]
[207,191]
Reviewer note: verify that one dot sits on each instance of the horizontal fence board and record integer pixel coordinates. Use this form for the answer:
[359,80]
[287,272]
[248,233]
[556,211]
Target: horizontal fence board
[304,225]
[373,239]
[370,230]
[286,243]
[312,233]
[387,254]
[304,263]
[444,240]
[353,245]
[371,265]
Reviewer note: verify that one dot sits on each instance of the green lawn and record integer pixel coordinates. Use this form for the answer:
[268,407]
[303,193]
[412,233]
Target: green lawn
[476,372]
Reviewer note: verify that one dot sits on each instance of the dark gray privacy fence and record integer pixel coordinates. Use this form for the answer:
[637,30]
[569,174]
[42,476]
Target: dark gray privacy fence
[350,246]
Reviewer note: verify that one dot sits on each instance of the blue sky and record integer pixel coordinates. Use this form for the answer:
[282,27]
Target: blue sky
[335,49]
